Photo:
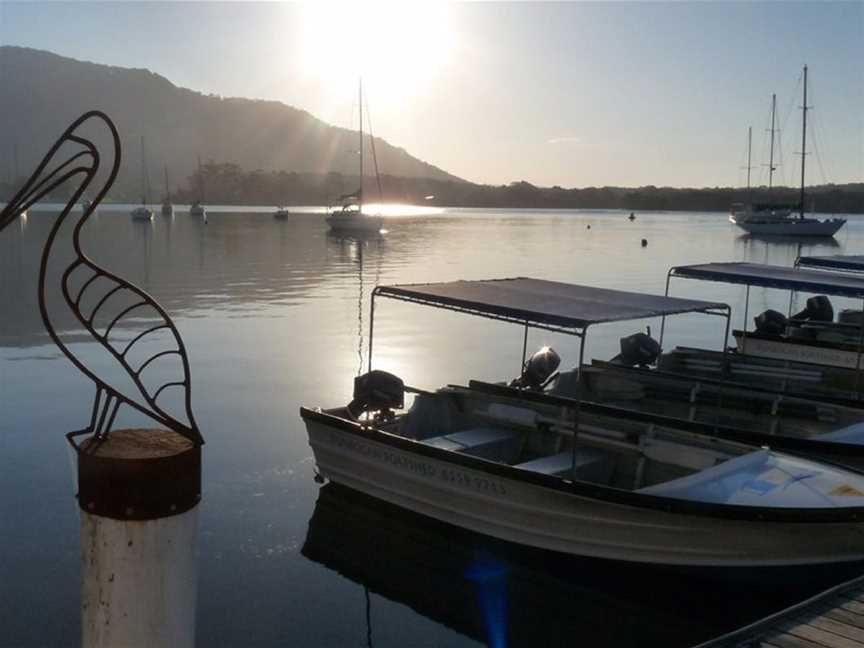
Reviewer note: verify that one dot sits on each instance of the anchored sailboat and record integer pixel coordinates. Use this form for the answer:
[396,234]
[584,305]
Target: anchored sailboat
[774,219]
[167,205]
[350,216]
[142,212]
[197,208]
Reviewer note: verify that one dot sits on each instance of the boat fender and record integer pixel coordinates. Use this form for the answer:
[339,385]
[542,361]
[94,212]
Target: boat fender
[637,349]
[377,391]
[539,369]
[818,309]
[770,322]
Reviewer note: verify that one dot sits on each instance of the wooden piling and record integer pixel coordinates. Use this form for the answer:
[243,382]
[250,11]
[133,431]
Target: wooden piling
[138,491]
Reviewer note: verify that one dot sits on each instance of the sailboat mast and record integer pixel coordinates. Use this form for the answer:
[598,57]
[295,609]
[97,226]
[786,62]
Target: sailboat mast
[771,156]
[749,166]
[803,142]
[360,193]
[143,173]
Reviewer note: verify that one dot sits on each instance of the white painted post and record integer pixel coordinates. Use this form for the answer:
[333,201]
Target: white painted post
[138,491]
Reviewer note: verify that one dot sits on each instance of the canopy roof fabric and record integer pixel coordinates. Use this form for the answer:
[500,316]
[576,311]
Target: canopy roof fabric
[544,304]
[771,276]
[853,262]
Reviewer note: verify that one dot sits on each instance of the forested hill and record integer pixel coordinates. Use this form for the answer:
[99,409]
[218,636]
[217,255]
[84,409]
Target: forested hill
[41,93]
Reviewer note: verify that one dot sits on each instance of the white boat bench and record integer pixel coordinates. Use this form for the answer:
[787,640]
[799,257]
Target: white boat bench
[485,442]
[591,464]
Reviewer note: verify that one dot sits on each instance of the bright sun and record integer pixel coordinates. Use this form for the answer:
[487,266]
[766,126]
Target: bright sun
[394,46]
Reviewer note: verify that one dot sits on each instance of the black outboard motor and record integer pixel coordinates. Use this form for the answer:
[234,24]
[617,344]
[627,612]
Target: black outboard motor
[771,323]
[639,349]
[377,391]
[539,369]
[818,309]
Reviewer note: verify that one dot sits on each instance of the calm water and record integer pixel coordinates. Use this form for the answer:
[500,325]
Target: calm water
[275,315]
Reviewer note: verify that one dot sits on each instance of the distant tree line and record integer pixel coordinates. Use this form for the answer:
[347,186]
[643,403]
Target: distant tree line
[229,184]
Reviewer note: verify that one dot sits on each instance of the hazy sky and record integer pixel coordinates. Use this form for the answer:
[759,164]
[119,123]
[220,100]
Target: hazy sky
[574,94]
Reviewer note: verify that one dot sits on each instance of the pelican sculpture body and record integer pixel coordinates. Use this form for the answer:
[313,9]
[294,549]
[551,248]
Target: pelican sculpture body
[89,291]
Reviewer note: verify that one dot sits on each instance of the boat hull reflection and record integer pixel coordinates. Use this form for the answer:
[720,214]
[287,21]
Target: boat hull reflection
[504,595]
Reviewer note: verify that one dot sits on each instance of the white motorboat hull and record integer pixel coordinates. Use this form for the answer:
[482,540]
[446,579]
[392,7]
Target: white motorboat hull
[785,349]
[791,227]
[355,222]
[529,513]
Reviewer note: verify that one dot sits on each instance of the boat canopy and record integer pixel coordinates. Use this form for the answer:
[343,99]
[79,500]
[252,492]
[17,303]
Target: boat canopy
[771,276]
[850,262]
[551,305]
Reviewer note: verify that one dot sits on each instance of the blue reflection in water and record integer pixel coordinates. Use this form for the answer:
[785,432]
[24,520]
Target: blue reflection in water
[491,577]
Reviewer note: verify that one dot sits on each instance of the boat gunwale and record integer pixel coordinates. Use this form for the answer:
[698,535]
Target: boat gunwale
[588,490]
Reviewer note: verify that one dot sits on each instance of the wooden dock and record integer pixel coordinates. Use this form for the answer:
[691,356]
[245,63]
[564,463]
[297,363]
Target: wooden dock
[832,619]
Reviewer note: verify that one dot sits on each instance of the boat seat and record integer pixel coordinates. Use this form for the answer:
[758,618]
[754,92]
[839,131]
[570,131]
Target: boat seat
[592,464]
[496,444]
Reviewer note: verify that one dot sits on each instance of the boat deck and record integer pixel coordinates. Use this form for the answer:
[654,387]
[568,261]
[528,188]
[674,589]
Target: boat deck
[832,619]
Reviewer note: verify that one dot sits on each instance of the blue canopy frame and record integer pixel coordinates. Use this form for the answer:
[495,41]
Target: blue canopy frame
[550,305]
[841,262]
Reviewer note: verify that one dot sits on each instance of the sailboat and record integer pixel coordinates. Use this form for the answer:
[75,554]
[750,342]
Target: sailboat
[772,219]
[142,212]
[197,208]
[167,205]
[350,217]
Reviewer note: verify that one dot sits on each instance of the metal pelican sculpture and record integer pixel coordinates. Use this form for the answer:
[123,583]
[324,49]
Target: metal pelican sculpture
[90,291]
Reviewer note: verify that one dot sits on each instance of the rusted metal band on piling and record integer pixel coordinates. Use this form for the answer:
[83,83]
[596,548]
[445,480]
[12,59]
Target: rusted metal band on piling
[139,474]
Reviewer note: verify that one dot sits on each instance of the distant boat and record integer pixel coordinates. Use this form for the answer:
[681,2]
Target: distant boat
[281,213]
[142,212]
[350,217]
[777,219]
[197,208]
[85,204]
[167,205]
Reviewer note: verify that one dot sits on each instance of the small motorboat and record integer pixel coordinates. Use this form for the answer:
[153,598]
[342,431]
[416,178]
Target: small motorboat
[142,213]
[589,483]
[197,209]
[805,354]
[281,213]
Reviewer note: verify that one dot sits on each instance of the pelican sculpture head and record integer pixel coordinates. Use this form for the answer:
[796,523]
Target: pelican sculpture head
[93,294]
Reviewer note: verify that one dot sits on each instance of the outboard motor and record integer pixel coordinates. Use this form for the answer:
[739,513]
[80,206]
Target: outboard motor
[377,391]
[818,309]
[539,369]
[639,349]
[771,323]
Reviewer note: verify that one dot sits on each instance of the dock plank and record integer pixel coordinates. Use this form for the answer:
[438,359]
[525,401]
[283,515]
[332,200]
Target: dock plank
[822,636]
[831,619]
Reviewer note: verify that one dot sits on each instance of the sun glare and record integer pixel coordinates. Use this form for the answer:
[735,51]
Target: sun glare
[395,47]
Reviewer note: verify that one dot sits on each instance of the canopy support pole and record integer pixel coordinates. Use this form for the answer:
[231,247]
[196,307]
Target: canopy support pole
[744,327]
[725,362]
[663,319]
[371,325]
[858,359]
[578,407]
[524,349]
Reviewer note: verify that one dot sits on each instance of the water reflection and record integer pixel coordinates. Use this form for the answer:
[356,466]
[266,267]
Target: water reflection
[275,315]
[501,595]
